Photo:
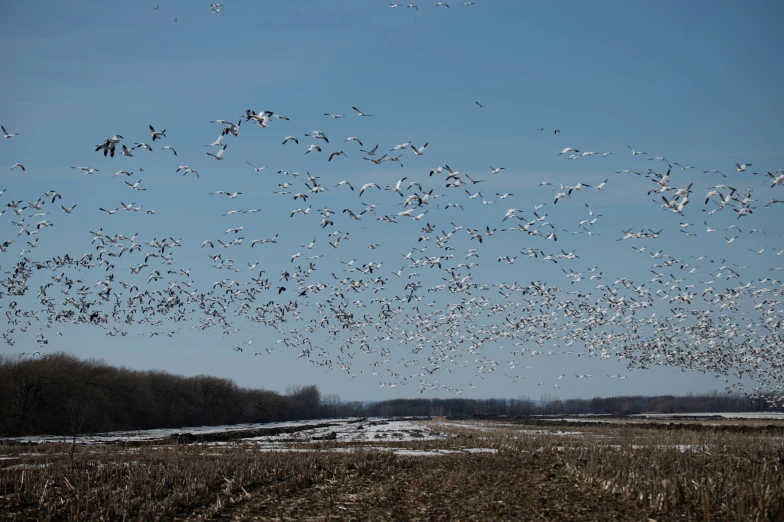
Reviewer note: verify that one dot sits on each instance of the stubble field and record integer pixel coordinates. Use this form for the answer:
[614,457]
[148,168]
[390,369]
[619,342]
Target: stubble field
[376,469]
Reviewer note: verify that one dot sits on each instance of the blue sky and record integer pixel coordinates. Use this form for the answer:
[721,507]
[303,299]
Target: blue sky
[693,82]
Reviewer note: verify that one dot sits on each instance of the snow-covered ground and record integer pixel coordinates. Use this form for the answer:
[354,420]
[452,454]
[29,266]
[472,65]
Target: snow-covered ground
[355,433]
[348,429]
[740,415]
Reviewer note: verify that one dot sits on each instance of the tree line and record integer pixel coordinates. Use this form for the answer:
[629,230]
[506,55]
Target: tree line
[549,404]
[62,395]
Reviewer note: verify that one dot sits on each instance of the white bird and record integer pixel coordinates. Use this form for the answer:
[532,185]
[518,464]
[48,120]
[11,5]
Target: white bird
[568,149]
[396,188]
[496,170]
[742,167]
[359,112]
[354,138]
[290,138]
[367,186]
[169,147]
[219,155]
[420,151]
[218,142]
[6,134]
[312,148]
[126,151]
[86,170]
[135,186]
[256,169]
[634,152]
[336,153]
[18,165]
[156,135]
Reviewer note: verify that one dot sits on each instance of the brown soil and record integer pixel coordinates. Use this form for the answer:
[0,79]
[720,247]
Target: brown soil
[446,487]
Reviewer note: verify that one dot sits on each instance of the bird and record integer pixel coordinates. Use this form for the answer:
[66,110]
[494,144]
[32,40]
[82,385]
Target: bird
[6,134]
[256,169]
[336,153]
[156,135]
[742,167]
[496,170]
[360,113]
[371,152]
[290,138]
[635,152]
[312,148]
[86,170]
[18,165]
[169,147]
[367,186]
[476,102]
[354,138]
[219,155]
[420,151]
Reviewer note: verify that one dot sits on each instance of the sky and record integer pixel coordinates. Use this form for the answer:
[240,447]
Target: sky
[693,82]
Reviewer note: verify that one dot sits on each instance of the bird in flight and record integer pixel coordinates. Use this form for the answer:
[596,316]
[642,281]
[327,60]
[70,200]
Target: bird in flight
[219,155]
[476,102]
[6,134]
[360,113]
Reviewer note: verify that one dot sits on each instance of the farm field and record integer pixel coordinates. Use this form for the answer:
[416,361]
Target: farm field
[418,469]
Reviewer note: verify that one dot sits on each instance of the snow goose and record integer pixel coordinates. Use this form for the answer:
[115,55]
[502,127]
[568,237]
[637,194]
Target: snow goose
[219,155]
[359,112]
[156,135]
[419,151]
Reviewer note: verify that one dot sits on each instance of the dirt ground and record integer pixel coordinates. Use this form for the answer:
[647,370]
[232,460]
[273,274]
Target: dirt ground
[530,487]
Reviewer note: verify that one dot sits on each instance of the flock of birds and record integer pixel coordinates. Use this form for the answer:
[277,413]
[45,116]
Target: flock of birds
[409,318]
[217,8]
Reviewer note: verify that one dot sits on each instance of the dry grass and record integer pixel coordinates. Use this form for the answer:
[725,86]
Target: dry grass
[604,472]
[154,483]
[702,473]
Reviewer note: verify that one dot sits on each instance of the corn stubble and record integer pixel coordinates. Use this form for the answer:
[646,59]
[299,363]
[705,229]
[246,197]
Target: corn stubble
[605,472]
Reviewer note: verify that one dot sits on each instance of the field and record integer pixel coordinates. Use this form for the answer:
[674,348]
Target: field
[433,469]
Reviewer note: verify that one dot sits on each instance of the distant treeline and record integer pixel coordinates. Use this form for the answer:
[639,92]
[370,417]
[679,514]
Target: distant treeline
[552,405]
[62,395]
